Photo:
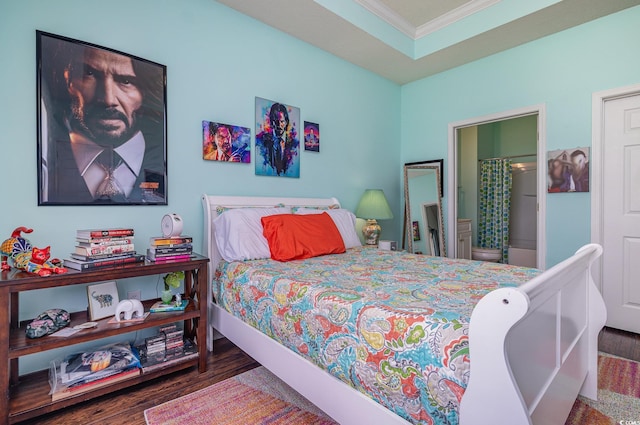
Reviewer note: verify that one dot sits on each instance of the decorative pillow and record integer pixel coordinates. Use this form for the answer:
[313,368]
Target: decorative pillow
[239,234]
[345,221]
[297,236]
[48,322]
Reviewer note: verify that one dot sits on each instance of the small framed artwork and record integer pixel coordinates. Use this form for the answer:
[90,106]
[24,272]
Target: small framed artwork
[225,142]
[568,170]
[311,136]
[103,300]
[93,151]
[416,230]
[277,139]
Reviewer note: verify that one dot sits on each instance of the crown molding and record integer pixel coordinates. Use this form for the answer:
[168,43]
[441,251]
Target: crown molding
[391,17]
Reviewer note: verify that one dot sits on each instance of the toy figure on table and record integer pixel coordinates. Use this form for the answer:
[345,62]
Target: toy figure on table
[27,257]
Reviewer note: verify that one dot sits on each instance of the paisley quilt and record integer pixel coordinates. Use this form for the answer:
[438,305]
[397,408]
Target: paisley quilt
[393,325]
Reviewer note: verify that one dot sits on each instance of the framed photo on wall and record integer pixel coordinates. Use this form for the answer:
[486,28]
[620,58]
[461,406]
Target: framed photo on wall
[225,142]
[103,300]
[311,136]
[102,130]
[277,139]
[568,170]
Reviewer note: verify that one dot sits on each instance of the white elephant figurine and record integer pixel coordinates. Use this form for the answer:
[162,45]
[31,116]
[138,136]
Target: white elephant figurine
[130,308]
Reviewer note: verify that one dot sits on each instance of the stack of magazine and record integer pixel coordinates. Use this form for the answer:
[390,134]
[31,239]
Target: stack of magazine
[97,248]
[92,369]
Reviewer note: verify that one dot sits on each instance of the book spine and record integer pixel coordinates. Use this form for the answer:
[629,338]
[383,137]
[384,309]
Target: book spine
[168,251]
[170,241]
[159,258]
[89,239]
[105,249]
[105,263]
[98,257]
[105,242]
[106,232]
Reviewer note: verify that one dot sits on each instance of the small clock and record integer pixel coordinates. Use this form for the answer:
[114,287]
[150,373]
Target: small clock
[171,225]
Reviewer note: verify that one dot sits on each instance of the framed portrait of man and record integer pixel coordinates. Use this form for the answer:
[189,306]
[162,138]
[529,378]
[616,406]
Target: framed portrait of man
[277,139]
[225,142]
[102,125]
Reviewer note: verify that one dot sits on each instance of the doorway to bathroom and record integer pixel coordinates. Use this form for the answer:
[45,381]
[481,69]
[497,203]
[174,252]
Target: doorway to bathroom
[513,140]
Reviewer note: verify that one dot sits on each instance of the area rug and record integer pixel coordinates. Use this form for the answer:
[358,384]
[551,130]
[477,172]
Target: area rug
[256,397]
[618,395]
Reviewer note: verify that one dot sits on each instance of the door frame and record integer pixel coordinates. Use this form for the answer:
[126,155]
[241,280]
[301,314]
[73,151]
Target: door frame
[598,100]
[452,175]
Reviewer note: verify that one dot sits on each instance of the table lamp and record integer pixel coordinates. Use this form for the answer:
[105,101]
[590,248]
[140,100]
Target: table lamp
[373,206]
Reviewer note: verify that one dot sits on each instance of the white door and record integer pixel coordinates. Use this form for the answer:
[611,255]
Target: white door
[621,212]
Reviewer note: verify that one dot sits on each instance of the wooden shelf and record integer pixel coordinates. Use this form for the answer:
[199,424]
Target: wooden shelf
[20,345]
[27,396]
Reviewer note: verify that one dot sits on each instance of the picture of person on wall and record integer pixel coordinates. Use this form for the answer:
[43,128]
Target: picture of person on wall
[277,140]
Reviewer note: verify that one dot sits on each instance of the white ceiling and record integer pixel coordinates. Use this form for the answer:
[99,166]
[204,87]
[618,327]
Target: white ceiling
[419,23]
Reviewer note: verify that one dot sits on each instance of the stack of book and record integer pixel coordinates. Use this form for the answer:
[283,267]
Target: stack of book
[161,307]
[103,248]
[163,248]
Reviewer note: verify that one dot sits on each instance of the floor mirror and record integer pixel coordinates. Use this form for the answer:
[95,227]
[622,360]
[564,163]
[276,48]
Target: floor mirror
[423,228]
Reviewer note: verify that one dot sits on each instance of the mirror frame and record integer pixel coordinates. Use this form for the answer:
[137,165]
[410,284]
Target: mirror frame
[436,165]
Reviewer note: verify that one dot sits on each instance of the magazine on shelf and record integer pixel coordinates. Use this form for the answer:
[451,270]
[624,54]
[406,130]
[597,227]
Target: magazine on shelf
[91,365]
[73,390]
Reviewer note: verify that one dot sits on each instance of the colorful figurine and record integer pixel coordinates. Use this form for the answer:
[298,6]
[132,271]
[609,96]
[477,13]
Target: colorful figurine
[27,257]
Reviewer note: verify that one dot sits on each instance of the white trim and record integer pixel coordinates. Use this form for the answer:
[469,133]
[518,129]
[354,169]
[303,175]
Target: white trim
[453,16]
[596,163]
[392,18]
[452,174]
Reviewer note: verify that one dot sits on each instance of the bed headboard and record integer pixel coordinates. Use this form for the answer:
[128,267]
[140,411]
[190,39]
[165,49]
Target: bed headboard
[210,202]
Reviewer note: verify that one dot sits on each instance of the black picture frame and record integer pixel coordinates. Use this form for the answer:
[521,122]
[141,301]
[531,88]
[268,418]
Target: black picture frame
[435,162]
[94,102]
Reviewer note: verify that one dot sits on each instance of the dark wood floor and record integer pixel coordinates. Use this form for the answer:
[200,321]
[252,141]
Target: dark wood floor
[128,406]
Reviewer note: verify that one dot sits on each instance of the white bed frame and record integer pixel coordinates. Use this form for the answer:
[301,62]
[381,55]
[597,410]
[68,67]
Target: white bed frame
[533,348]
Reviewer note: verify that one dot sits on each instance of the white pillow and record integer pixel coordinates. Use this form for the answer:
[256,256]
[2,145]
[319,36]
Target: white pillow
[239,234]
[345,221]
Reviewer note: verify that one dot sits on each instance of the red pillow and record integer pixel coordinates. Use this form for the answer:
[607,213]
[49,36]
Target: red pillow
[294,236]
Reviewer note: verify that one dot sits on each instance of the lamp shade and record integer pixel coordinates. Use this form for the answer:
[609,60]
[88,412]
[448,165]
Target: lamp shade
[373,204]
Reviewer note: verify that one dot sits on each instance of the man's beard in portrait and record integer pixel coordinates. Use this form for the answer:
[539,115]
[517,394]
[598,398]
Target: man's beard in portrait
[88,121]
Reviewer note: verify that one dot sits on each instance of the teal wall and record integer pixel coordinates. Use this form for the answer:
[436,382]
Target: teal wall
[217,62]
[561,71]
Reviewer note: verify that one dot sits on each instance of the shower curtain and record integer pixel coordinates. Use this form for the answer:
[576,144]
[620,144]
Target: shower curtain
[495,203]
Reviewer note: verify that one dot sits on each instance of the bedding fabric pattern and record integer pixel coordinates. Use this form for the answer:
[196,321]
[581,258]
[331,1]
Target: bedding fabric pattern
[393,325]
